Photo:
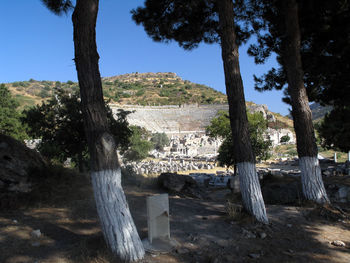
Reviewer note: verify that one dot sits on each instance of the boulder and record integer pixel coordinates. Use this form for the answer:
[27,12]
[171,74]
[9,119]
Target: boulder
[180,184]
[175,182]
[17,163]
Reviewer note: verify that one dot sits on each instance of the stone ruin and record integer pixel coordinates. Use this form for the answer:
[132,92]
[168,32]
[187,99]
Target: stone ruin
[185,126]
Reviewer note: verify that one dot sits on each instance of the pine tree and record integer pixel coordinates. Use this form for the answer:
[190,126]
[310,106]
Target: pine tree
[10,123]
[278,29]
[117,224]
[190,23]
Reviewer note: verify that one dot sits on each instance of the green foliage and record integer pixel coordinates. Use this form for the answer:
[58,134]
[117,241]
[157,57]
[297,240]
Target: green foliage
[140,92]
[69,82]
[160,140]
[139,144]
[284,139]
[44,93]
[257,128]
[334,130]
[325,52]
[20,84]
[187,22]
[220,127]
[58,84]
[10,123]
[58,7]
[59,124]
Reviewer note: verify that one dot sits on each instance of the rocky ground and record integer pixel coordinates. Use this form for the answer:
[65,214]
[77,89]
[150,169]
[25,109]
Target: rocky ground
[69,229]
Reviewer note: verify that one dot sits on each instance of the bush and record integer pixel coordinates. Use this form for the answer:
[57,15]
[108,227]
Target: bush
[284,139]
[140,92]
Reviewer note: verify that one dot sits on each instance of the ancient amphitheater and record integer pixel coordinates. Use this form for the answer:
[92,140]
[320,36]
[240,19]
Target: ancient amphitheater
[172,119]
[190,119]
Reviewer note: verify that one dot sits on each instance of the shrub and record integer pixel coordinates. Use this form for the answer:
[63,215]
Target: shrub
[284,139]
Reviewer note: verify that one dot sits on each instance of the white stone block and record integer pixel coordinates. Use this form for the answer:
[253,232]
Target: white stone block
[158,217]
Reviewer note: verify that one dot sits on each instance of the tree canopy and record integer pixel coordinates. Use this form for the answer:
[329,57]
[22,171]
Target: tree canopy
[220,127]
[325,52]
[59,124]
[334,130]
[159,140]
[10,123]
[186,22]
[139,144]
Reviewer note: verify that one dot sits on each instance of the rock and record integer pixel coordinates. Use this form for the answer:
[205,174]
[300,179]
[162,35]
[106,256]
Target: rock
[338,243]
[178,183]
[35,244]
[247,234]
[327,173]
[262,235]
[174,181]
[36,233]
[343,194]
[255,256]
[230,258]
[289,225]
[182,250]
[17,164]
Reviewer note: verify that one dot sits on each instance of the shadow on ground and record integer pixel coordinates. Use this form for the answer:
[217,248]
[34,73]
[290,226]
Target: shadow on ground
[71,233]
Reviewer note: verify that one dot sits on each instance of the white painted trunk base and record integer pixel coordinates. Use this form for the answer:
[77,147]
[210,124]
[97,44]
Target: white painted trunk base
[117,224]
[251,192]
[311,180]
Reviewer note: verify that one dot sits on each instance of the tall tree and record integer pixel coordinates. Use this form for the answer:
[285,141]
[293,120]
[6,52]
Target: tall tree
[334,129]
[10,123]
[311,179]
[281,20]
[220,127]
[117,224]
[61,115]
[189,23]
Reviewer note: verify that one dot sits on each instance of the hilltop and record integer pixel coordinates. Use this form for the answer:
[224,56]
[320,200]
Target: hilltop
[135,88]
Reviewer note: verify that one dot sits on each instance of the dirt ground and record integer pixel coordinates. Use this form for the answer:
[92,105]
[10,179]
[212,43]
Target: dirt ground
[205,233]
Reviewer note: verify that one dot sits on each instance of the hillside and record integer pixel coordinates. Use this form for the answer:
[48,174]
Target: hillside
[136,89]
[318,111]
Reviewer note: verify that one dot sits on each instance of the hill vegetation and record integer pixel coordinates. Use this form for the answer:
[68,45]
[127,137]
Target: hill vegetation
[135,88]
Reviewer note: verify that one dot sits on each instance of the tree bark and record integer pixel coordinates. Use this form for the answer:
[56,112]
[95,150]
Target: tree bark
[243,151]
[117,224]
[313,187]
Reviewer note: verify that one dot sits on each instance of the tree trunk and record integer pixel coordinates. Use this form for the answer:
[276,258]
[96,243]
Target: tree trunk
[243,152]
[313,188]
[117,224]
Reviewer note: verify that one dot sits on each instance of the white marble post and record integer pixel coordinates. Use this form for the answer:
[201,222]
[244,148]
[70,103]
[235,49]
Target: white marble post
[158,217]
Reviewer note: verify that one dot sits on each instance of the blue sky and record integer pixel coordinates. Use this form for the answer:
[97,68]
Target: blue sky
[37,44]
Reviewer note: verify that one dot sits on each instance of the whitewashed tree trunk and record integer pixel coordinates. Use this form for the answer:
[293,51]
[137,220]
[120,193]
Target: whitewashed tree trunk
[311,180]
[117,224]
[251,192]
[313,188]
